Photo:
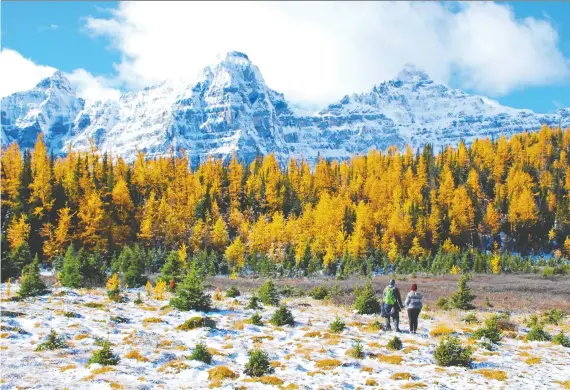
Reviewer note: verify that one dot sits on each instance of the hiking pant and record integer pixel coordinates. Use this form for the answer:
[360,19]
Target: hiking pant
[391,311]
[413,315]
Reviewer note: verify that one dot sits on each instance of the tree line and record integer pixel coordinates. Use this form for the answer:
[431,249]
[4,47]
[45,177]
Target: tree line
[483,208]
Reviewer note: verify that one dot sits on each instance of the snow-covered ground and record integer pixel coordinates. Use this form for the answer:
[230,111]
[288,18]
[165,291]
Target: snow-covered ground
[294,351]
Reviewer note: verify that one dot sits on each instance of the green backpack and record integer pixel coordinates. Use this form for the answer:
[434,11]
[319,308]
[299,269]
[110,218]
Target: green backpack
[389,296]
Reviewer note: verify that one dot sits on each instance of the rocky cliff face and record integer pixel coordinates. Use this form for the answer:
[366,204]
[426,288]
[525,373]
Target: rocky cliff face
[229,109]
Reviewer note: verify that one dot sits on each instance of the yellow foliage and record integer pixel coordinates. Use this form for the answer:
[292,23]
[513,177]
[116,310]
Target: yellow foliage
[159,289]
[18,231]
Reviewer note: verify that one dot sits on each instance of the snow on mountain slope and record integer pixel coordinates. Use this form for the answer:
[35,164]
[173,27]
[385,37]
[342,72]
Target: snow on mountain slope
[49,108]
[229,109]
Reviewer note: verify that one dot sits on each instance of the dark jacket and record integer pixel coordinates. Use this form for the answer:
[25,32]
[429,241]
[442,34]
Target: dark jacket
[398,305]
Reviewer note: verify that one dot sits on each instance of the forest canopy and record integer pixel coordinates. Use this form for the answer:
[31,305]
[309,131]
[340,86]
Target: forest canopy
[502,196]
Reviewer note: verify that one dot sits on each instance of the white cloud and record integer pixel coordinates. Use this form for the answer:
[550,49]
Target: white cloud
[319,51]
[92,88]
[18,73]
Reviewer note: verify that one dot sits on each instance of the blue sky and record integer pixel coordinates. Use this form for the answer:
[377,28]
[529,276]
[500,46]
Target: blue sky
[79,35]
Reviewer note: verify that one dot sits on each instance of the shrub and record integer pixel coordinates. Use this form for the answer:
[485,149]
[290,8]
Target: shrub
[52,342]
[201,354]
[532,321]
[138,300]
[258,364]
[462,299]
[70,314]
[366,302]
[197,322]
[357,352]
[189,295]
[268,294]
[319,293]
[442,303]
[537,333]
[489,331]
[561,339]
[395,344]
[450,352]
[105,356]
[232,292]
[487,302]
[337,325]
[471,318]
[290,291]
[255,319]
[486,344]
[553,317]
[253,303]
[282,317]
[120,320]
[31,284]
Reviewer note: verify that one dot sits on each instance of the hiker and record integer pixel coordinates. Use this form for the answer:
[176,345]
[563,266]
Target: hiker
[414,305]
[392,304]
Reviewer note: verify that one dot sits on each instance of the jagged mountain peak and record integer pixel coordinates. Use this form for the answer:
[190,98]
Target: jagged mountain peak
[411,73]
[229,109]
[57,80]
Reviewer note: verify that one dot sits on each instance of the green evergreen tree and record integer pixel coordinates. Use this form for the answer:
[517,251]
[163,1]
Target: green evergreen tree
[173,268]
[268,294]
[189,295]
[104,356]
[70,275]
[462,299]
[32,285]
[134,276]
[366,302]
[16,260]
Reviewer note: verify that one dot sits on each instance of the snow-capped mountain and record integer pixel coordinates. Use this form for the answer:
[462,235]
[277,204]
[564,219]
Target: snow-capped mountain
[229,109]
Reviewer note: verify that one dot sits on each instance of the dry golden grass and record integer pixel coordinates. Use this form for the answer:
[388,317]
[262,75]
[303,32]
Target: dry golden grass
[238,325]
[313,334]
[173,367]
[67,367]
[498,375]
[313,373]
[3,347]
[440,330]
[367,369]
[414,385]
[277,364]
[82,336]
[532,360]
[166,310]
[148,308]
[98,371]
[164,343]
[398,376]
[391,359]
[328,364]
[116,385]
[410,348]
[220,373]
[374,344]
[271,380]
[152,320]
[4,335]
[134,354]
[564,385]
[214,352]
[217,295]
[371,382]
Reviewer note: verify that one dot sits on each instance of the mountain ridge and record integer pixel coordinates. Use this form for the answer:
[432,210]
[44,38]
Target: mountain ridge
[230,109]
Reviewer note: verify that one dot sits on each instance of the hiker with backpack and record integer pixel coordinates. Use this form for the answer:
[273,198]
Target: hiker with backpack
[391,305]
[414,305]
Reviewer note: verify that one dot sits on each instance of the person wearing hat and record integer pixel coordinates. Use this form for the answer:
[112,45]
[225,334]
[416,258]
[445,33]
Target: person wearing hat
[414,305]
[391,305]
